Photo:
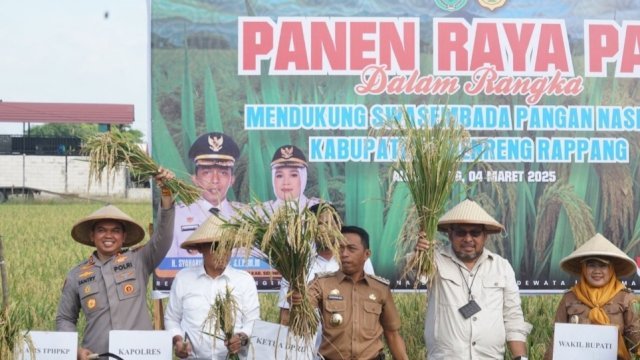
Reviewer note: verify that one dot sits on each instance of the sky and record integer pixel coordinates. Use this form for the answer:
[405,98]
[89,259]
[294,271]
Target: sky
[75,51]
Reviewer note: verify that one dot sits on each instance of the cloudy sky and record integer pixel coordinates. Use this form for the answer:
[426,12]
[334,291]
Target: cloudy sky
[75,51]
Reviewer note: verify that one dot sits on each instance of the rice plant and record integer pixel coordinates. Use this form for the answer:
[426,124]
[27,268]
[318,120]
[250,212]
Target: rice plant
[108,151]
[430,157]
[288,236]
[221,319]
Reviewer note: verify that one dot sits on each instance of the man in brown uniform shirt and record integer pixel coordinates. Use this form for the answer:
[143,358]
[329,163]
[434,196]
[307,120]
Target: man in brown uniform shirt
[356,308]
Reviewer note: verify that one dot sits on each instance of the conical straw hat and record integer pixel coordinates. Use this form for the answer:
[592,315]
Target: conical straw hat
[599,247]
[81,230]
[469,212]
[209,232]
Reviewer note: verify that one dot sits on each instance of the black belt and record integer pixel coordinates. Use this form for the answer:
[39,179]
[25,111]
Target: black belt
[380,356]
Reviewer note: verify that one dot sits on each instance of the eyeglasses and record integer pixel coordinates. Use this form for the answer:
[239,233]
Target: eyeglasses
[463,233]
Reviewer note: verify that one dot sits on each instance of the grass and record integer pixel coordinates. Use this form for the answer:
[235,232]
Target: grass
[39,252]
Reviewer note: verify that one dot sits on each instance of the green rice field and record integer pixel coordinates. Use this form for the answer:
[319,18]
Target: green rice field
[39,251]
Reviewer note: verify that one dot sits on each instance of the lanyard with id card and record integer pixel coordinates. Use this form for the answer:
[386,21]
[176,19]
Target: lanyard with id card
[471,308]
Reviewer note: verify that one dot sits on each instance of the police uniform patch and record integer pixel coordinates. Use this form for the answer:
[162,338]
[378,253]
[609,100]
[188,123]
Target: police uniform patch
[85,274]
[372,297]
[91,303]
[128,289]
[123,275]
[120,259]
[87,289]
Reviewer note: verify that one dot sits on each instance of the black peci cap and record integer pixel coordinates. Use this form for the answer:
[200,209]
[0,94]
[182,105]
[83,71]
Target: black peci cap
[214,149]
[288,155]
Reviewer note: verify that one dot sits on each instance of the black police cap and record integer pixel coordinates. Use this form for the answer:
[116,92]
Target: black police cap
[214,148]
[288,155]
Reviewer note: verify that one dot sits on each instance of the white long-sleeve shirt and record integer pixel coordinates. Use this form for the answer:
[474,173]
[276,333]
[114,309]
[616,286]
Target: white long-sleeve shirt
[448,335]
[192,294]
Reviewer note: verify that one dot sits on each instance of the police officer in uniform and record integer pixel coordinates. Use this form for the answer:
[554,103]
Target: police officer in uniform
[214,155]
[110,287]
[356,308]
[289,178]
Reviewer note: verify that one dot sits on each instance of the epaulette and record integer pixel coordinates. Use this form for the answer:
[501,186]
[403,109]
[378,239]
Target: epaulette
[134,248]
[380,279]
[325,274]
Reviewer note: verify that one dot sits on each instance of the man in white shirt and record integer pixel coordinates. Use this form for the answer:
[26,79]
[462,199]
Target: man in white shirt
[214,155]
[474,303]
[194,290]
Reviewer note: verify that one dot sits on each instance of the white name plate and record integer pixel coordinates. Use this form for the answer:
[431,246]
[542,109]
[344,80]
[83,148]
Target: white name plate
[50,345]
[270,341]
[141,345]
[585,342]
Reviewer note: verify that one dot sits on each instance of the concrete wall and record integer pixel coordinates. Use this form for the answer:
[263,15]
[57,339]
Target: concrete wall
[63,174]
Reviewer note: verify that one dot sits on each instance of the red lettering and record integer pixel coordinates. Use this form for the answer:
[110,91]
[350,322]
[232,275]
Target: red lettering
[601,42]
[519,42]
[375,81]
[256,44]
[403,48]
[552,50]
[508,45]
[310,46]
[449,40]
[486,47]
[327,46]
[291,48]
[362,44]
[630,51]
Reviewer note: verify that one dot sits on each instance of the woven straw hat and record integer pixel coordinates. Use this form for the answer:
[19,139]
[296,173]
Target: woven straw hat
[209,232]
[469,212]
[81,230]
[599,247]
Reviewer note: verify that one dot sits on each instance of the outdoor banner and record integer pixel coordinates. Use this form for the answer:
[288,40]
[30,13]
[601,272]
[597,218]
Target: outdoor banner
[548,90]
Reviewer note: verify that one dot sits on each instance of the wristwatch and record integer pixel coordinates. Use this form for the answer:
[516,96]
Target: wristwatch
[244,339]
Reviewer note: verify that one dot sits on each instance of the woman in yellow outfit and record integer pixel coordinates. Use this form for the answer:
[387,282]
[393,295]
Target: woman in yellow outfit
[599,297]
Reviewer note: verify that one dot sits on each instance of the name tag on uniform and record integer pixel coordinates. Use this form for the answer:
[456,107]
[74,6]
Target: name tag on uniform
[190,227]
[335,297]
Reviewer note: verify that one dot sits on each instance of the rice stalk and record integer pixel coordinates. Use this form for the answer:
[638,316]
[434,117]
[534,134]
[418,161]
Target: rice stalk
[13,337]
[288,237]
[430,156]
[221,319]
[616,189]
[554,198]
[109,150]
